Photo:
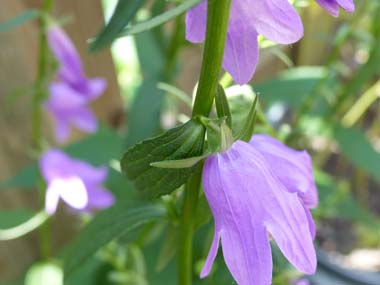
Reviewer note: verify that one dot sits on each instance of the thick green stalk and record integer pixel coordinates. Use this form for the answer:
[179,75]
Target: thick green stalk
[217,23]
[216,34]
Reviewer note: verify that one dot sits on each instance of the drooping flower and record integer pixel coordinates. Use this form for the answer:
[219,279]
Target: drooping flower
[249,201]
[70,69]
[333,6]
[277,20]
[77,183]
[71,94]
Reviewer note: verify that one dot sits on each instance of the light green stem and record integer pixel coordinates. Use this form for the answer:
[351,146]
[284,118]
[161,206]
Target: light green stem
[216,34]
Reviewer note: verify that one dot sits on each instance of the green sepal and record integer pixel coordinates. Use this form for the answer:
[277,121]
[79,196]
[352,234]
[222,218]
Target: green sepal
[246,132]
[185,141]
[219,135]
[179,163]
[222,106]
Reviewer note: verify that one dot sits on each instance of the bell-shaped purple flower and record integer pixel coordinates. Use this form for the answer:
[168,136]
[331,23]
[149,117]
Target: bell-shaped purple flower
[277,20]
[77,183]
[71,94]
[333,6]
[70,66]
[249,202]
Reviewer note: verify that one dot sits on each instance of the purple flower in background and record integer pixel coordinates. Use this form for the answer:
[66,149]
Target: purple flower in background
[69,108]
[71,94]
[70,66]
[333,6]
[77,183]
[277,20]
[249,201]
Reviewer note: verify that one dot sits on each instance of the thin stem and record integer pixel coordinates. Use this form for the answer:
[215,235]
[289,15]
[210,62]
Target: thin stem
[216,34]
[185,250]
[40,84]
[37,115]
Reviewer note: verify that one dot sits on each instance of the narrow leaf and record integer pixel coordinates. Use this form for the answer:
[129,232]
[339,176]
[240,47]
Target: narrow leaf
[124,12]
[105,227]
[182,142]
[160,19]
[222,107]
[19,20]
[246,132]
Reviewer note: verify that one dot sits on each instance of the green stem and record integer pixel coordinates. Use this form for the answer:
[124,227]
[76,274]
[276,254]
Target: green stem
[37,115]
[40,84]
[216,34]
[185,250]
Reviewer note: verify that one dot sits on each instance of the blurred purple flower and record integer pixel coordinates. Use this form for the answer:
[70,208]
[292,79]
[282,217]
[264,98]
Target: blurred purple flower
[77,183]
[71,94]
[70,66]
[277,20]
[333,6]
[248,200]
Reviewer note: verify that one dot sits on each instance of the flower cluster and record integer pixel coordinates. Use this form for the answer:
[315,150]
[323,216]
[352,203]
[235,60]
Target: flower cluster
[256,190]
[71,94]
[277,20]
[77,183]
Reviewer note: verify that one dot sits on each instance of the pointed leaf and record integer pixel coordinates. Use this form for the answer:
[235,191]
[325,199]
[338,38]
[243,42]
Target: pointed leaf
[180,143]
[246,132]
[160,19]
[222,107]
[124,12]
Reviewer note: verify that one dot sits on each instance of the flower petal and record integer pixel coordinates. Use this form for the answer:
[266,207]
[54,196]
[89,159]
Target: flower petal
[293,168]
[196,22]
[242,51]
[331,6]
[277,20]
[96,88]
[64,50]
[100,198]
[84,120]
[72,190]
[51,200]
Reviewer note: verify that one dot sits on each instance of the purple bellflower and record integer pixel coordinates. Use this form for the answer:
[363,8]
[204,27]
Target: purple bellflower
[277,20]
[77,183]
[251,198]
[333,6]
[71,94]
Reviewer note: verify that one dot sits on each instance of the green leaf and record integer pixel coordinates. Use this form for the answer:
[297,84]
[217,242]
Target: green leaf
[108,225]
[12,218]
[160,19]
[246,132]
[182,142]
[124,12]
[19,20]
[222,107]
[144,116]
[356,147]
